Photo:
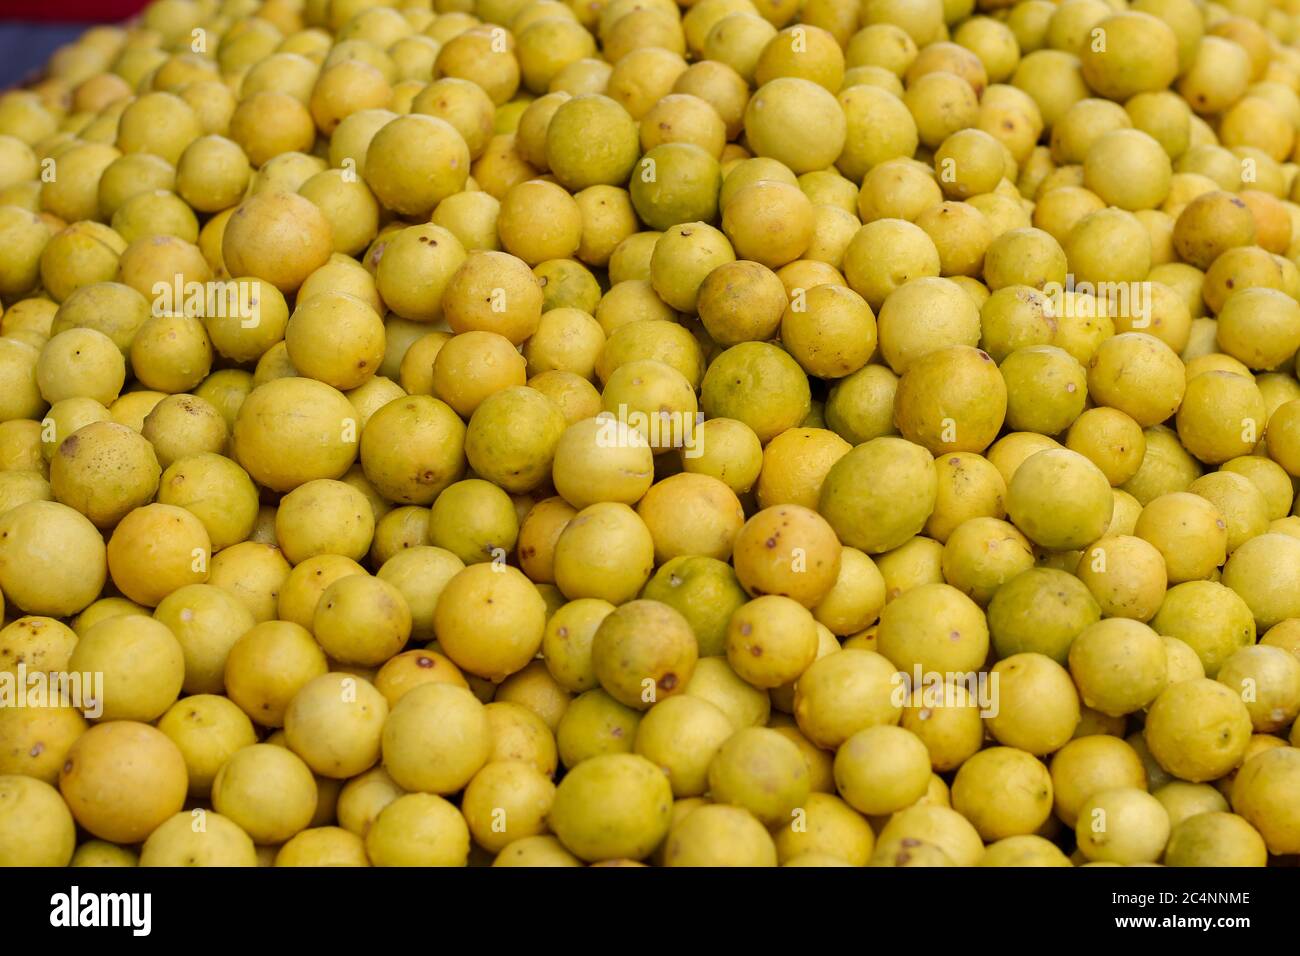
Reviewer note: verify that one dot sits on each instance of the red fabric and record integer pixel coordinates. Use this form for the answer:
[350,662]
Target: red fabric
[70,10]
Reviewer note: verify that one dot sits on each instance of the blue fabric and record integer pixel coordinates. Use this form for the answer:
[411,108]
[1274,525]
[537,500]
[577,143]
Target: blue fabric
[26,47]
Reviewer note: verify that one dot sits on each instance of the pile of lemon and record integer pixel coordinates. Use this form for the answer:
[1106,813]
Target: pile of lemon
[742,432]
